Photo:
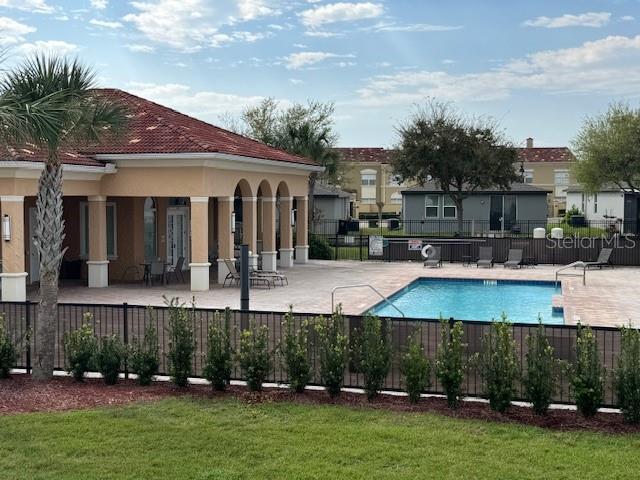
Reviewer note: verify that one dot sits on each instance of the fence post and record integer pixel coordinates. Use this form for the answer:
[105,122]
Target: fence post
[360,246]
[336,246]
[125,334]
[31,336]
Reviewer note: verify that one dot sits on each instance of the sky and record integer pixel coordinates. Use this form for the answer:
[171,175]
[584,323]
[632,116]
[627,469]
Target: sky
[538,68]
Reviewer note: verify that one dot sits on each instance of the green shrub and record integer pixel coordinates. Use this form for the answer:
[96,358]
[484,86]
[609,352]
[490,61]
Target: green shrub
[333,351]
[294,349]
[372,354]
[415,368]
[109,358]
[627,375]
[80,347]
[319,248]
[255,357]
[182,343]
[8,353]
[144,358]
[219,360]
[541,377]
[588,375]
[498,365]
[450,364]
[569,213]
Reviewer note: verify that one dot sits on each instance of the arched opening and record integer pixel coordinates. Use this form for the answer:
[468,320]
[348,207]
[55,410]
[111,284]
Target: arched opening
[150,229]
[243,217]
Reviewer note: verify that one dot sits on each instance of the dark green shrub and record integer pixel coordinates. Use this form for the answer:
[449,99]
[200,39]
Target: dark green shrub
[182,343]
[541,376]
[255,357]
[109,358]
[333,351]
[588,375]
[219,360]
[450,364]
[319,248]
[8,353]
[294,349]
[627,375]
[80,347]
[372,354]
[415,368]
[499,365]
[144,358]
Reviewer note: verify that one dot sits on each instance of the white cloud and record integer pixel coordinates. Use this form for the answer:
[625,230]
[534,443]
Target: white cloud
[322,34]
[105,23]
[340,12]
[609,66]
[412,27]
[627,18]
[589,19]
[299,60]
[295,81]
[48,47]
[12,32]
[140,48]
[99,4]
[36,6]
[190,25]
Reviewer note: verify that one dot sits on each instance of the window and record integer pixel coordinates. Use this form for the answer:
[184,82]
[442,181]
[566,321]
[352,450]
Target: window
[432,206]
[112,250]
[561,177]
[368,179]
[583,209]
[449,209]
[528,176]
[396,198]
[368,186]
[368,200]
[595,203]
[150,245]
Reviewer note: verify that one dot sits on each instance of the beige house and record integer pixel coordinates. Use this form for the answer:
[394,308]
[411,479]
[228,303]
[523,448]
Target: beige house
[172,188]
[550,168]
[369,179]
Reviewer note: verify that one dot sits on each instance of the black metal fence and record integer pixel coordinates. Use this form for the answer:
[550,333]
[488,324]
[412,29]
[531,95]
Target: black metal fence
[129,322]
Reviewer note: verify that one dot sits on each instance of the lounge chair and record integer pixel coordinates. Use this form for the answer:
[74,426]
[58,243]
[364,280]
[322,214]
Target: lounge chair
[604,259]
[273,275]
[485,257]
[157,270]
[514,260]
[233,277]
[434,260]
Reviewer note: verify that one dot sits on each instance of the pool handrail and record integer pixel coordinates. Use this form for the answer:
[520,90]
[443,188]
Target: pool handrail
[574,265]
[360,285]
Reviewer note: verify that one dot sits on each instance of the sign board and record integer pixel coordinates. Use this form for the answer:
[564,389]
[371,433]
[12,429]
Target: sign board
[375,245]
[414,244]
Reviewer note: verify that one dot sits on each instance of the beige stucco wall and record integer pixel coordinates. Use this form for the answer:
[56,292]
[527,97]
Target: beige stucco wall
[544,177]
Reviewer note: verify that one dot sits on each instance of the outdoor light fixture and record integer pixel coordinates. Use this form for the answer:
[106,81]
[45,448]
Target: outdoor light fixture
[233,222]
[6,228]
[293,217]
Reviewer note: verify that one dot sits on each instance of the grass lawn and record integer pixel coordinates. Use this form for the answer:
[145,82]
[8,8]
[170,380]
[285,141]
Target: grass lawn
[227,439]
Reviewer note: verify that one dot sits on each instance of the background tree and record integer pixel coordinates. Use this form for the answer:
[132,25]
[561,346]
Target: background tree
[69,111]
[306,130]
[460,154]
[608,149]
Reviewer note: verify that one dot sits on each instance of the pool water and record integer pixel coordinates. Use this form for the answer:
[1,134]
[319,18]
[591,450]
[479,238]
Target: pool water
[471,299]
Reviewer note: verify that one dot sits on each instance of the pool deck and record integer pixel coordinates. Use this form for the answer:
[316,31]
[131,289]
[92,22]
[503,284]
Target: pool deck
[610,297]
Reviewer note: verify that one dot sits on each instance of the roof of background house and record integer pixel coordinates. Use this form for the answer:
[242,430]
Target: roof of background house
[154,128]
[546,154]
[367,154]
[321,190]
[609,188]
[516,188]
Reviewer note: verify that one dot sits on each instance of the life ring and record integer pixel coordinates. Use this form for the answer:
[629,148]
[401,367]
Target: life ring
[427,251]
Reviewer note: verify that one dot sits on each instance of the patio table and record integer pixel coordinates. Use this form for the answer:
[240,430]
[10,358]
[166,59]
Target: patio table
[146,277]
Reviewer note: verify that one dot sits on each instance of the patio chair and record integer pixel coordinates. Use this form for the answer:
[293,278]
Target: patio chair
[176,270]
[514,260]
[157,269]
[130,272]
[434,260]
[233,277]
[273,275]
[485,257]
[604,259]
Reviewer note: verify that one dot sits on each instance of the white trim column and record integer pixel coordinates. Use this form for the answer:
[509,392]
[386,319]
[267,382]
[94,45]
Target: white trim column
[98,264]
[225,236]
[302,229]
[286,233]
[250,228]
[199,244]
[14,276]
[269,253]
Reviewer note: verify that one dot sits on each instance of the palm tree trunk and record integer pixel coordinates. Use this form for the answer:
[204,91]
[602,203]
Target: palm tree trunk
[49,237]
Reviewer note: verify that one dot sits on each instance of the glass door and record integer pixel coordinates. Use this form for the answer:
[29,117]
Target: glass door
[495,213]
[177,234]
[509,213]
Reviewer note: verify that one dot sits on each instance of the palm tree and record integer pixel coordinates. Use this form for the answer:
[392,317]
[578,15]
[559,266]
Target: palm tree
[69,111]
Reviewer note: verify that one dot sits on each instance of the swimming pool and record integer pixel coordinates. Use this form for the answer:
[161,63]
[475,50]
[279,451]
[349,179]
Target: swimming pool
[473,299]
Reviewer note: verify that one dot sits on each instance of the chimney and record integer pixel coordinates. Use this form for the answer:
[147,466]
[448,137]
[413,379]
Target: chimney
[529,142]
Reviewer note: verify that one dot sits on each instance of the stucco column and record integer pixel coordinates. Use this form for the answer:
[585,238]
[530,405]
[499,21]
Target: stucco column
[199,244]
[302,230]
[269,253]
[286,236]
[14,277]
[225,236]
[98,264]
[250,228]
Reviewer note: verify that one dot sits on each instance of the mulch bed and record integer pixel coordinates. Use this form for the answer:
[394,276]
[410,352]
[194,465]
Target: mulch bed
[21,394]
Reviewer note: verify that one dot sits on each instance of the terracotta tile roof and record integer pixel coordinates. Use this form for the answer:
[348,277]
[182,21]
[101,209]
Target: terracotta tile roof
[546,154]
[154,128]
[367,154]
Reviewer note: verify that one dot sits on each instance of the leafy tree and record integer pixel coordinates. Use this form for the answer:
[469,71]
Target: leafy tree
[372,354]
[415,368]
[254,357]
[182,343]
[144,356]
[332,350]
[627,375]
[588,376]
[460,154]
[540,379]
[80,347]
[219,360]
[57,104]
[608,149]
[450,362]
[294,348]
